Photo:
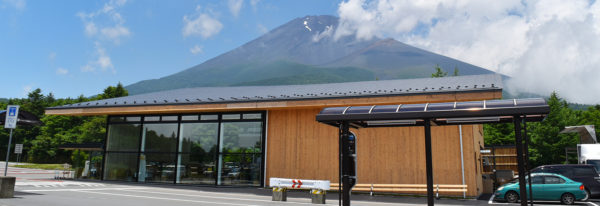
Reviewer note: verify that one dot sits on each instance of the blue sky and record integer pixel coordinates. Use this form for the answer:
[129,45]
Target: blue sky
[45,44]
[81,47]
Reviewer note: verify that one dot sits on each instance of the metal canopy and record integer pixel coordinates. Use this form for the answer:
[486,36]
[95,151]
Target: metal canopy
[517,111]
[587,133]
[24,118]
[447,113]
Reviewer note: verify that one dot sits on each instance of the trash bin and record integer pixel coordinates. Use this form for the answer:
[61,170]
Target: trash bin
[317,196]
[279,194]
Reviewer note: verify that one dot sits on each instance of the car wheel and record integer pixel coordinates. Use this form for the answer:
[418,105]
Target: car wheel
[511,197]
[567,199]
[587,195]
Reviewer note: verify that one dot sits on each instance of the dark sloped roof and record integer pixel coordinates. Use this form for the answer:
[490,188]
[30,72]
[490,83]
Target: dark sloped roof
[208,95]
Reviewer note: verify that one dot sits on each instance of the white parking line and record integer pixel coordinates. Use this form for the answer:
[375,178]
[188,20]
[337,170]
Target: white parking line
[170,199]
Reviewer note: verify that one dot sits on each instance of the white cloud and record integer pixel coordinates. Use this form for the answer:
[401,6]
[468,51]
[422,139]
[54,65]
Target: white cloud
[544,45]
[17,4]
[235,6]
[90,29]
[254,4]
[102,61]
[196,50]
[115,32]
[201,24]
[52,56]
[62,71]
[106,23]
[262,29]
[328,32]
[27,89]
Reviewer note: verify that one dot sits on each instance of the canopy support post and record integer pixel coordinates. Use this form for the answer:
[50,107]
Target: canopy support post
[429,162]
[520,162]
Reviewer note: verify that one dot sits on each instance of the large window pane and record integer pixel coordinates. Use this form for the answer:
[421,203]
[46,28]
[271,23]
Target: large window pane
[123,137]
[159,138]
[240,169]
[241,137]
[196,169]
[157,167]
[198,142]
[120,166]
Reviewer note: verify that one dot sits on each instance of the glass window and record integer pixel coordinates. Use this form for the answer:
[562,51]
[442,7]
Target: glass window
[231,116]
[159,138]
[169,118]
[198,138]
[584,171]
[189,118]
[116,119]
[240,169]
[553,180]
[123,137]
[120,166]
[152,118]
[209,117]
[537,180]
[241,137]
[252,116]
[134,119]
[198,144]
[157,167]
[196,169]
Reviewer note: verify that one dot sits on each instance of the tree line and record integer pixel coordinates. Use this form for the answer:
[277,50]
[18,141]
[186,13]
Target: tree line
[547,144]
[41,143]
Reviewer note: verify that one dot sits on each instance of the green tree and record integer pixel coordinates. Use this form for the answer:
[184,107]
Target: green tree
[113,92]
[455,71]
[438,72]
[547,145]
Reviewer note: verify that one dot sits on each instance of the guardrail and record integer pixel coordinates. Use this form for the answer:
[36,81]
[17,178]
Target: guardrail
[317,188]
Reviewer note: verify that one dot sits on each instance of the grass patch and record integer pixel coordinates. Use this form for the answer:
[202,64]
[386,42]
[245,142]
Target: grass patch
[41,166]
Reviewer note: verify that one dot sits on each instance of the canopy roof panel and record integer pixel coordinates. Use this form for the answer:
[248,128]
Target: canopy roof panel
[445,113]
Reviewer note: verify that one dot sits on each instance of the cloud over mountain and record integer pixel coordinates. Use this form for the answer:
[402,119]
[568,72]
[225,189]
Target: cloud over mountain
[544,45]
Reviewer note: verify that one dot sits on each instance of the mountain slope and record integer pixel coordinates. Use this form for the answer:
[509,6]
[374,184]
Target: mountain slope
[303,51]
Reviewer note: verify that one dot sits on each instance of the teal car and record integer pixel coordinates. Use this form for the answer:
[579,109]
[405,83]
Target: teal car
[545,186]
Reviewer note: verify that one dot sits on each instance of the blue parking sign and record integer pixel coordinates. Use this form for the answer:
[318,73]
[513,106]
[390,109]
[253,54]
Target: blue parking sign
[11,117]
[12,111]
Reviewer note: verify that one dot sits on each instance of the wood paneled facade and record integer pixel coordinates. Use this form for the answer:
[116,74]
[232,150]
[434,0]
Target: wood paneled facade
[300,147]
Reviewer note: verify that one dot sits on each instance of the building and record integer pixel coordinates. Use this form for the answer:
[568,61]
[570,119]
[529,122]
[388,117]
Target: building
[242,136]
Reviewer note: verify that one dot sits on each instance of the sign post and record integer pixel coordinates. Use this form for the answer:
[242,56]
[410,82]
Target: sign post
[12,113]
[18,151]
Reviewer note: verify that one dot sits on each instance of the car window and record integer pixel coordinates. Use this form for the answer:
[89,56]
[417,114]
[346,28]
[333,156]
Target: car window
[553,180]
[565,171]
[537,180]
[583,171]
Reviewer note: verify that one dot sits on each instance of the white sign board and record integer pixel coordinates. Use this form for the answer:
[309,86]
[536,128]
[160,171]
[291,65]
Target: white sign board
[12,112]
[18,148]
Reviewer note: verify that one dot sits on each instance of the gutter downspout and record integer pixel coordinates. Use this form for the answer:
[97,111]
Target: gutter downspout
[462,162]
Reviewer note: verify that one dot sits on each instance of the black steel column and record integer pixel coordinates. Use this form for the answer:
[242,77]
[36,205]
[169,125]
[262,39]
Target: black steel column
[429,164]
[520,162]
[527,163]
[345,170]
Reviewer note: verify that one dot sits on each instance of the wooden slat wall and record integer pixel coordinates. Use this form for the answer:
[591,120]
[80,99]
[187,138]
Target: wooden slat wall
[299,147]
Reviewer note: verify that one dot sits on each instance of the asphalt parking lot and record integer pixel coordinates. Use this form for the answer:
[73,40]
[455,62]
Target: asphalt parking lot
[38,187]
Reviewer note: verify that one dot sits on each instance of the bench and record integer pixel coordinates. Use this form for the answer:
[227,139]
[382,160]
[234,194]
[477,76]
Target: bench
[402,188]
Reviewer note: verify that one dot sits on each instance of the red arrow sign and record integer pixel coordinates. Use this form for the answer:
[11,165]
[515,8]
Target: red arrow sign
[296,182]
